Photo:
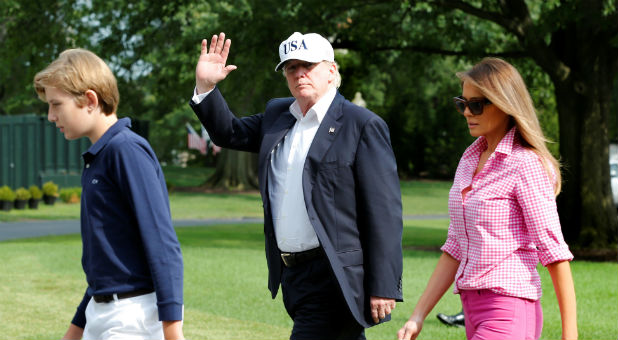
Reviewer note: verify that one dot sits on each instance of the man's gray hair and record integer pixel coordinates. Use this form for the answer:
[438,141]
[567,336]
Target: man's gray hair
[337,82]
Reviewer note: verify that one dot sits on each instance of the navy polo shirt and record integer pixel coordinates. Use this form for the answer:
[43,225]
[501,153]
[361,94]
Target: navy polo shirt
[128,239]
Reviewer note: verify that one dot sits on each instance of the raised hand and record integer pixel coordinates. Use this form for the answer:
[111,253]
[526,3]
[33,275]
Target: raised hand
[211,67]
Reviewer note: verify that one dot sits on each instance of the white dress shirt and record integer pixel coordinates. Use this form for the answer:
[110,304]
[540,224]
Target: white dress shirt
[293,230]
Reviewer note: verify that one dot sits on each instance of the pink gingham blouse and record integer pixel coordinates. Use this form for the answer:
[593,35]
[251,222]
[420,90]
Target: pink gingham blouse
[507,222]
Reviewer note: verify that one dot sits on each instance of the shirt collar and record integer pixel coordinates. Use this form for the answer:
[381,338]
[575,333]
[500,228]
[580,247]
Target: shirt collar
[505,146]
[318,109]
[111,132]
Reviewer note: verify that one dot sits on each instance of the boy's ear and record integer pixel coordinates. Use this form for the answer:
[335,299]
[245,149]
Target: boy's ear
[93,99]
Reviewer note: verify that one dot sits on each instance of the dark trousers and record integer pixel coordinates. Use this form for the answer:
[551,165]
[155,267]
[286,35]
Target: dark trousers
[315,303]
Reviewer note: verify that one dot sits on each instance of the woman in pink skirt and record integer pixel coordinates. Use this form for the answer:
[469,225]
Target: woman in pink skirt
[503,216]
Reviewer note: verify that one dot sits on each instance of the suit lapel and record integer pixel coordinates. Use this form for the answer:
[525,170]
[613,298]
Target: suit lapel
[271,137]
[275,133]
[322,142]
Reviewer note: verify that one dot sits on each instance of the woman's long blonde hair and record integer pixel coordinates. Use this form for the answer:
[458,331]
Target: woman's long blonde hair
[502,84]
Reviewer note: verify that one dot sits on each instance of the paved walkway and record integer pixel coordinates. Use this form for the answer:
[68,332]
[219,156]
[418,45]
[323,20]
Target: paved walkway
[17,230]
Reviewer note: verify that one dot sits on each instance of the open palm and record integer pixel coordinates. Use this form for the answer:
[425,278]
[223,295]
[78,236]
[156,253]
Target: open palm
[211,67]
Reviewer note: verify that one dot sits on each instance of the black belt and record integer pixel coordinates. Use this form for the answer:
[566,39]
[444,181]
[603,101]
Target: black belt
[293,259]
[110,297]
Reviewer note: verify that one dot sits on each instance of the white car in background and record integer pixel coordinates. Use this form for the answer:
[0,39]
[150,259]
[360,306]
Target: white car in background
[613,177]
[613,171]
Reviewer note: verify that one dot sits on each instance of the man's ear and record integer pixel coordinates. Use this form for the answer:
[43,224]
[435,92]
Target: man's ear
[333,71]
[93,100]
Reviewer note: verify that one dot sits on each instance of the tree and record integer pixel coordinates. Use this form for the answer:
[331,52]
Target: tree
[400,55]
[26,51]
[575,42]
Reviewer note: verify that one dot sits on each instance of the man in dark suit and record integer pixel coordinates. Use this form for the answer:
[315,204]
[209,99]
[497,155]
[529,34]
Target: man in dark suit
[329,184]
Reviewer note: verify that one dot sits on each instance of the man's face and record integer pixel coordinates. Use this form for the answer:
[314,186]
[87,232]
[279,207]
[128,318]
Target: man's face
[308,82]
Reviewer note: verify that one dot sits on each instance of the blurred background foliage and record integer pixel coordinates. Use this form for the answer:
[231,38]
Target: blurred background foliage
[152,47]
[401,56]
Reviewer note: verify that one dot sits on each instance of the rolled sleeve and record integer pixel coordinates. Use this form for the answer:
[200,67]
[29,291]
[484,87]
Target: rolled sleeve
[535,195]
[451,246]
[557,254]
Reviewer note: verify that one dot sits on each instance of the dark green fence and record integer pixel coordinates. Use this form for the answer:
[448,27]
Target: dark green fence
[33,151]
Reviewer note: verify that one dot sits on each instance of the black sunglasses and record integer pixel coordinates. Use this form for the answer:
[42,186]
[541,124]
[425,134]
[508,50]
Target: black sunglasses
[475,105]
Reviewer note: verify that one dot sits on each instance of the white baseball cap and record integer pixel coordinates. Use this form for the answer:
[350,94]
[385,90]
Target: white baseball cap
[310,47]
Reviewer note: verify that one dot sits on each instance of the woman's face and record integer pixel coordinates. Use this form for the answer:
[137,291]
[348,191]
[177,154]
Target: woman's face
[492,123]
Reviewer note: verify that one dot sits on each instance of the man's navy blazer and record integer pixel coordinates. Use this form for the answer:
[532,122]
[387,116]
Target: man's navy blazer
[350,186]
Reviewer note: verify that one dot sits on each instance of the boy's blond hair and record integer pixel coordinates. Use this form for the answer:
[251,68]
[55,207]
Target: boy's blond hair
[75,71]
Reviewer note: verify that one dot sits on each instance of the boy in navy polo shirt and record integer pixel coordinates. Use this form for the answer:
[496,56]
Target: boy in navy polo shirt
[131,255]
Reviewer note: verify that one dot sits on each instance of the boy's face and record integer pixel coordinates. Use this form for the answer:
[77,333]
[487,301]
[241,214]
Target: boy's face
[72,120]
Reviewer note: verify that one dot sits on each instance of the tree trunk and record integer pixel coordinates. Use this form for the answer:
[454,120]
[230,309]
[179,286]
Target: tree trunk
[588,216]
[236,171]
[582,64]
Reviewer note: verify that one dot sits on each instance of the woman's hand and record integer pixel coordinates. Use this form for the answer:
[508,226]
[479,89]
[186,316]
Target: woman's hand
[410,329]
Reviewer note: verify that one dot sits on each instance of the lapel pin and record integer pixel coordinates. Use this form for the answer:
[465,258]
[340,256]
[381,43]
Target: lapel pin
[331,130]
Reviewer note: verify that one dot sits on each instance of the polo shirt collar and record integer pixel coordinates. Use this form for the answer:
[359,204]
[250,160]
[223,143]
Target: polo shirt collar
[108,135]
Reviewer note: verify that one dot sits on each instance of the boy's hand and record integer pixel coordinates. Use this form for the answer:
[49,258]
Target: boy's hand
[73,333]
[172,330]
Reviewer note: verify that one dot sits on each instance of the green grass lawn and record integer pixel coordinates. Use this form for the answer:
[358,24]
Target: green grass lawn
[197,205]
[225,272]
[418,198]
[226,295]
[177,177]
[425,197]
[184,205]
[58,211]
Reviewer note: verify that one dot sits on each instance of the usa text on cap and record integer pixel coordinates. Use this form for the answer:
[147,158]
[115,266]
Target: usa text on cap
[310,47]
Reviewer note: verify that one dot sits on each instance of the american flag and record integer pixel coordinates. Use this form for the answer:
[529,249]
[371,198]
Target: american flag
[206,137]
[195,141]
